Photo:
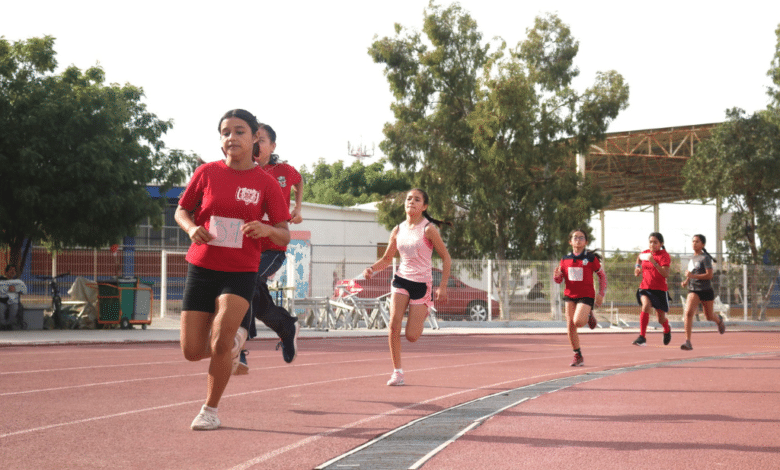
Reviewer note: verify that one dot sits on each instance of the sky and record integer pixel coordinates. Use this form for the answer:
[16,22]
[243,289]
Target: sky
[303,67]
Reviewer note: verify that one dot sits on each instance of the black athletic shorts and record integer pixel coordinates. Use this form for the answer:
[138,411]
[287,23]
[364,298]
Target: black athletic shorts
[203,286]
[704,295]
[580,300]
[416,290]
[658,298]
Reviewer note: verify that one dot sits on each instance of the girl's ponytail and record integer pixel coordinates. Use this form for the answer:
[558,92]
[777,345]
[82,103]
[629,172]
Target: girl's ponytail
[436,222]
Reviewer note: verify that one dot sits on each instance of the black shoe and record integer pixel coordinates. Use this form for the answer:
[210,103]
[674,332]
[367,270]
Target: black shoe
[289,342]
[640,341]
[667,338]
[242,368]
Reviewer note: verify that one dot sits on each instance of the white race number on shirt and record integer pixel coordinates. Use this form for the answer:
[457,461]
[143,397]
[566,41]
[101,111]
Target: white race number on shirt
[575,273]
[226,232]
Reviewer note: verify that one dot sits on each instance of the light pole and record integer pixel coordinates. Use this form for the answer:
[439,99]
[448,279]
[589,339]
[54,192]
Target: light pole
[685,243]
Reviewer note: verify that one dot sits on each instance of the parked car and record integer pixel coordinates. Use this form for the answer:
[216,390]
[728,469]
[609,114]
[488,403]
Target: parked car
[463,301]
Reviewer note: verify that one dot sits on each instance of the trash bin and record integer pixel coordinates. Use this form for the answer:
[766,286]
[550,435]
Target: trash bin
[32,316]
[109,308]
[125,302]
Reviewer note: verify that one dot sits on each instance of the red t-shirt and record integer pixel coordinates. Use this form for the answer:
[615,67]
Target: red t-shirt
[218,190]
[287,177]
[578,274]
[651,278]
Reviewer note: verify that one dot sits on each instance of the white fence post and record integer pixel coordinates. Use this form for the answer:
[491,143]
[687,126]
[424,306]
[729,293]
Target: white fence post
[490,290]
[163,283]
[745,291]
[291,275]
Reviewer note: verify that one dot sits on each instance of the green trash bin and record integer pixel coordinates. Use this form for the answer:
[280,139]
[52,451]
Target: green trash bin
[127,291]
[125,302]
[109,308]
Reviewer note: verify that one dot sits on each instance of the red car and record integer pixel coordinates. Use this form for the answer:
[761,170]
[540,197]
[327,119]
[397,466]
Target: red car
[462,300]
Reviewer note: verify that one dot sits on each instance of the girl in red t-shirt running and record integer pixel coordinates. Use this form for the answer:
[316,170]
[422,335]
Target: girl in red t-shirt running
[653,264]
[577,270]
[221,210]
[262,306]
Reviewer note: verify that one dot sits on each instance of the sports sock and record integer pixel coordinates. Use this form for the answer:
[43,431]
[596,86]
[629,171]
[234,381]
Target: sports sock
[644,319]
[666,326]
[577,351]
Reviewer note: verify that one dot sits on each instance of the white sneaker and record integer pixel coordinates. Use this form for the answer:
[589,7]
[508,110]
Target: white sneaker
[206,420]
[238,346]
[239,340]
[396,379]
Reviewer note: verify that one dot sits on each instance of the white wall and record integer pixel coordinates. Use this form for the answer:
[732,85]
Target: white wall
[343,239]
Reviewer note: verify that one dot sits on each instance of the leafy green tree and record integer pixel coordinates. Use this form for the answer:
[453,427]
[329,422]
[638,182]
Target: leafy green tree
[76,154]
[740,164]
[341,185]
[491,135]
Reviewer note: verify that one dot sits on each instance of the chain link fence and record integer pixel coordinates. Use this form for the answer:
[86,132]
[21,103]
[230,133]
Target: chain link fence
[520,290]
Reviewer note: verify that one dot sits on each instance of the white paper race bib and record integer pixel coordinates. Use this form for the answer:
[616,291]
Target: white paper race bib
[226,232]
[645,256]
[575,273]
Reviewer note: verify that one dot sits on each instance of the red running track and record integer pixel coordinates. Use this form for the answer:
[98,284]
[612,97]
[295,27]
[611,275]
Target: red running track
[130,406]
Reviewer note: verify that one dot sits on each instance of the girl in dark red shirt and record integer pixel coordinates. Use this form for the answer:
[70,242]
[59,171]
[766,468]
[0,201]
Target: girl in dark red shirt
[577,269]
[653,264]
[262,306]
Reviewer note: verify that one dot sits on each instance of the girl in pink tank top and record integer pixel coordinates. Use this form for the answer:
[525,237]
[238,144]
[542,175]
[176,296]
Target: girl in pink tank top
[414,239]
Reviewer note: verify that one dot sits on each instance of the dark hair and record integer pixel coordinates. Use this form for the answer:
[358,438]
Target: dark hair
[587,240]
[270,130]
[571,234]
[659,237]
[425,214]
[703,241]
[272,135]
[245,116]
[274,159]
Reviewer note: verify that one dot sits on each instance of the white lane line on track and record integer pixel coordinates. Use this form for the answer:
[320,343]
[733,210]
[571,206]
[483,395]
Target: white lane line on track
[308,440]
[252,392]
[268,355]
[292,386]
[98,384]
[89,367]
[114,382]
[267,456]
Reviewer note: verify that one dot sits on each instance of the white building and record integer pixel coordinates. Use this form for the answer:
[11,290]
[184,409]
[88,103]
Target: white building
[341,242]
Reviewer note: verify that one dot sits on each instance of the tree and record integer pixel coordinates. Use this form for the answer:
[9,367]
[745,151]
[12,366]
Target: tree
[492,135]
[341,185]
[76,153]
[740,164]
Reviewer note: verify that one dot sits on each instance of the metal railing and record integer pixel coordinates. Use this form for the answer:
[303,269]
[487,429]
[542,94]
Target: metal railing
[519,290]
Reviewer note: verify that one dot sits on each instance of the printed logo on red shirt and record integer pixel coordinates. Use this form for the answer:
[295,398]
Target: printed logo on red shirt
[248,195]
[282,181]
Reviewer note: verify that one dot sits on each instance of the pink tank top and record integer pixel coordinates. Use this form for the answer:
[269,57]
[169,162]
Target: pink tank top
[416,252]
